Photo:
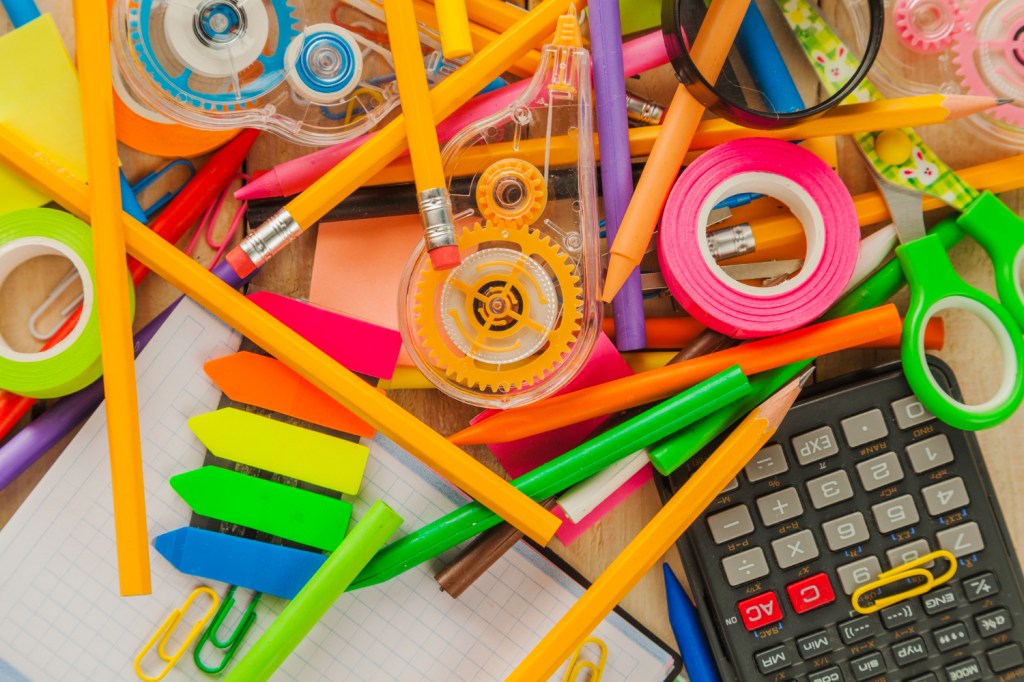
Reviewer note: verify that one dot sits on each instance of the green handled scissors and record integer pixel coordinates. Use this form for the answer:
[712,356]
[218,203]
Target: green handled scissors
[903,178]
[935,286]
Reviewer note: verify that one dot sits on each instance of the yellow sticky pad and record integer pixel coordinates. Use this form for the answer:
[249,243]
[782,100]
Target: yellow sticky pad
[282,448]
[40,101]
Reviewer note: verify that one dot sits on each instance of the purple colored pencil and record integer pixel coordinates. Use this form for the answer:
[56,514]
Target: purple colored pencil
[616,168]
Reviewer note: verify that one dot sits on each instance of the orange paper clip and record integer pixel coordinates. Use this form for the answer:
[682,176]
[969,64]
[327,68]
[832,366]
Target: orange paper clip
[910,570]
[166,631]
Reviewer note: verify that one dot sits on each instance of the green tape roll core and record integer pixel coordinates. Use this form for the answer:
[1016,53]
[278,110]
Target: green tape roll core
[75,362]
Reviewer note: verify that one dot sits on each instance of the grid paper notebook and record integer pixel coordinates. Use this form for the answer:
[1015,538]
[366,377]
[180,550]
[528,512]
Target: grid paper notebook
[63,619]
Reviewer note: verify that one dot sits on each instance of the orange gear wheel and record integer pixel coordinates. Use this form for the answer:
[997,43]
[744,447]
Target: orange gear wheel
[511,193]
[506,317]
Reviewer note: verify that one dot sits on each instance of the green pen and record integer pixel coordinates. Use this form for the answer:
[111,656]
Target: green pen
[560,473]
[671,453]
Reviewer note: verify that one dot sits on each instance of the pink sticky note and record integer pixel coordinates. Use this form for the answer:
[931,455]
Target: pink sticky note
[520,456]
[360,346]
[569,531]
[357,268]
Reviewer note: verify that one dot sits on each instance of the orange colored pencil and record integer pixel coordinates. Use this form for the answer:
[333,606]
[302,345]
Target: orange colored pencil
[658,384]
[710,49]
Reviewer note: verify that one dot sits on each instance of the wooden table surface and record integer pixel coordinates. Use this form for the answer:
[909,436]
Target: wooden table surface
[968,351]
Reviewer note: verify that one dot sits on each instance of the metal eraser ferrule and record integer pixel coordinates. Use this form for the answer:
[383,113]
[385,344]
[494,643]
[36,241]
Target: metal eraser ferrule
[270,237]
[731,242]
[438,219]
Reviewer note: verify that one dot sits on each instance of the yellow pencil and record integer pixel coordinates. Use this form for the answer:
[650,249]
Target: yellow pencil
[368,160]
[431,192]
[300,355]
[846,119]
[710,49]
[657,536]
[453,25]
[92,31]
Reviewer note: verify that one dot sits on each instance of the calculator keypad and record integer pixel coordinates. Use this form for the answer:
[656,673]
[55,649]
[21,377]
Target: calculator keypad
[837,497]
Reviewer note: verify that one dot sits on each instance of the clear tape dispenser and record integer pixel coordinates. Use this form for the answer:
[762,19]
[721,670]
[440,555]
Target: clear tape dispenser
[517,319]
[219,64]
[970,47]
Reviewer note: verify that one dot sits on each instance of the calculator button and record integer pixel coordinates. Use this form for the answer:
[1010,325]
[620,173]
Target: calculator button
[732,485]
[993,622]
[904,554]
[832,674]
[858,573]
[961,540]
[845,531]
[880,471]
[768,462]
[951,637]
[868,667]
[928,454]
[810,593]
[853,631]
[1005,657]
[909,651]
[776,658]
[864,427]
[795,549]
[964,671]
[910,412]
[981,586]
[815,644]
[895,514]
[942,497]
[830,489]
[898,615]
[745,566]
[814,445]
[780,506]
[930,677]
[760,610]
[939,600]
[730,524]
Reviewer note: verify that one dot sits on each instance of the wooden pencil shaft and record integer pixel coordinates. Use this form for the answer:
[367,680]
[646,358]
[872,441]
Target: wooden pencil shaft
[281,342]
[112,296]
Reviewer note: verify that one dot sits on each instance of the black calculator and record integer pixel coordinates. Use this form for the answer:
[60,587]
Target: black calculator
[859,479]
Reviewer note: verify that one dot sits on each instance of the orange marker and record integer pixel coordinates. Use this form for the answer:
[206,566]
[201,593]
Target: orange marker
[710,49]
[658,384]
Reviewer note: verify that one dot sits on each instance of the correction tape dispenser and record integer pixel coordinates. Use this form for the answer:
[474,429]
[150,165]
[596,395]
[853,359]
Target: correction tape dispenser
[219,64]
[968,47]
[516,320]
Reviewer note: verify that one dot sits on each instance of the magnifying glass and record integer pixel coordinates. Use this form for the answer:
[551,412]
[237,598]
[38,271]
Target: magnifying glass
[770,78]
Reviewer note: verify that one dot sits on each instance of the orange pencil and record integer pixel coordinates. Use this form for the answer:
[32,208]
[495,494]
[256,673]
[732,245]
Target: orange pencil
[658,384]
[710,49]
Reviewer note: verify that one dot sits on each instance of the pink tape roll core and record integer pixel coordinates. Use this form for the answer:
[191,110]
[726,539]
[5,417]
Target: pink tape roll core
[815,195]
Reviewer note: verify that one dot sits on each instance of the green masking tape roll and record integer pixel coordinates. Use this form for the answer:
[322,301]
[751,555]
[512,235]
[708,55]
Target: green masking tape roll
[75,362]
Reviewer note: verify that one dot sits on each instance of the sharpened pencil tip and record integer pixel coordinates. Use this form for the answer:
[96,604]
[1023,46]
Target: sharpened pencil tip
[1005,100]
[805,376]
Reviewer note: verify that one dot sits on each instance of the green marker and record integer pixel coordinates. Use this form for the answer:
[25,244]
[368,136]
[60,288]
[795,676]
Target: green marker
[282,510]
[671,453]
[318,595]
[560,473]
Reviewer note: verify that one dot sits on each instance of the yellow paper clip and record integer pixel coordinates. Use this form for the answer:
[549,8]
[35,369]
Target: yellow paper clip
[166,631]
[909,570]
[583,670]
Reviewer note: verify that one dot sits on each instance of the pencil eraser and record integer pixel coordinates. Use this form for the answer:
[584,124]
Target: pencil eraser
[445,257]
[240,262]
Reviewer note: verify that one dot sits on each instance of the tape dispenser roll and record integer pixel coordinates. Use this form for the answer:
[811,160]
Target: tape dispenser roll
[75,362]
[815,195]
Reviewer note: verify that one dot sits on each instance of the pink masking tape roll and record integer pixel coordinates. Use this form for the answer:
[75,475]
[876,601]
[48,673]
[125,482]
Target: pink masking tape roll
[815,195]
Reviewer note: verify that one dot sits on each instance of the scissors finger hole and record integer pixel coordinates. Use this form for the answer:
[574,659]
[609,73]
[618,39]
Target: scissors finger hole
[970,322]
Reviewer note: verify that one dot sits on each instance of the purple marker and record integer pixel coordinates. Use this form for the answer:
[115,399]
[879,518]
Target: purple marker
[616,168]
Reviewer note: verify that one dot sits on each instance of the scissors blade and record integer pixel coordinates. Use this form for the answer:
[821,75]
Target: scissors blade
[906,205]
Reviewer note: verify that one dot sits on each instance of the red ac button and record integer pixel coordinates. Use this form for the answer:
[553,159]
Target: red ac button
[760,610]
[810,593]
